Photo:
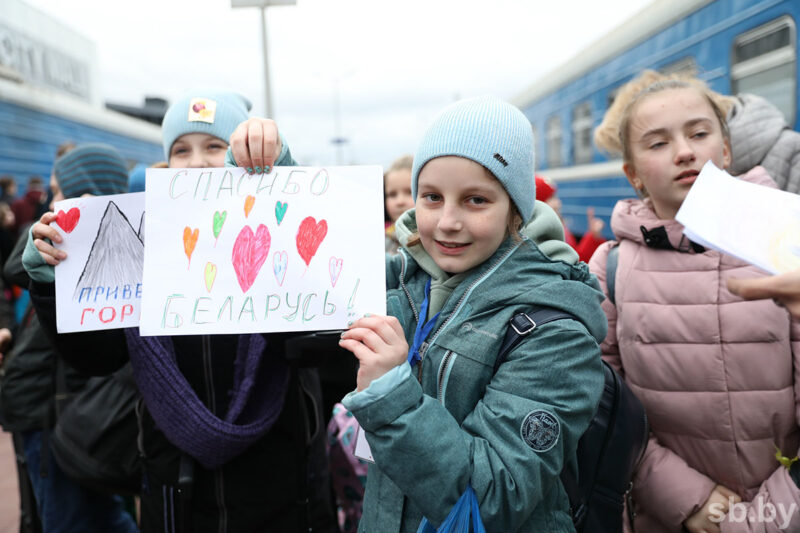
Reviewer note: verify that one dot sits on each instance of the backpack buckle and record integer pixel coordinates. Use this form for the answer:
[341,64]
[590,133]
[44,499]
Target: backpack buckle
[522,324]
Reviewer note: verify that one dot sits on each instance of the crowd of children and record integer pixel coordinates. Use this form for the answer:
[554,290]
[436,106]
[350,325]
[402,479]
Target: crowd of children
[473,239]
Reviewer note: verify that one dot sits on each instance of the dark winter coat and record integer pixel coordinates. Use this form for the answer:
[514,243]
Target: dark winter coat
[264,489]
[27,377]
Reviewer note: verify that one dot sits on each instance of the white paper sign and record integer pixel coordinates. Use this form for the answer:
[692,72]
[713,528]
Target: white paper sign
[757,224]
[99,285]
[363,450]
[298,249]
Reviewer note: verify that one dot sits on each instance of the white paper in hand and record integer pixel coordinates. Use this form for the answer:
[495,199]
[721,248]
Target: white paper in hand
[362,450]
[757,224]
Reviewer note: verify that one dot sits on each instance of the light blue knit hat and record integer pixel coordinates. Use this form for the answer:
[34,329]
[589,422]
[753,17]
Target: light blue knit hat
[209,111]
[490,132]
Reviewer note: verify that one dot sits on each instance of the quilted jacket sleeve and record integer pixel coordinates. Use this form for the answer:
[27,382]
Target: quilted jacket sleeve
[667,487]
[779,491]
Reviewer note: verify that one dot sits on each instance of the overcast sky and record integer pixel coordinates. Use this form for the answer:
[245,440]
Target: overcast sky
[395,63]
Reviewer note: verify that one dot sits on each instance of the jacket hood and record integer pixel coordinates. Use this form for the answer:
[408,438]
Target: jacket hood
[631,216]
[755,125]
[521,275]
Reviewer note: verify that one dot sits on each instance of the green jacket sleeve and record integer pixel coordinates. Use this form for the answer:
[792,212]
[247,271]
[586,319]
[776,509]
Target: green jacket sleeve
[35,266]
[418,444]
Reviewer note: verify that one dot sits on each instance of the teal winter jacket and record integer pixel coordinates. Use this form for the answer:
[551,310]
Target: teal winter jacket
[448,421]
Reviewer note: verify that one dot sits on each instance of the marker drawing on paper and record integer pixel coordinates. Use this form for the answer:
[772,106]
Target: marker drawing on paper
[280,261]
[335,269]
[280,211]
[309,236]
[216,226]
[117,253]
[189,242]
[67,221]
[249,253]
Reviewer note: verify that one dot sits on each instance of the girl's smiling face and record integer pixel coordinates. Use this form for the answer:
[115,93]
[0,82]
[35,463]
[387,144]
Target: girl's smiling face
[462,213]
[672,134]
[197,150]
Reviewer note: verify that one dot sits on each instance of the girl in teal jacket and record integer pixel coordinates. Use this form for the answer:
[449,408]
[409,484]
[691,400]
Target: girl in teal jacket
[436,417]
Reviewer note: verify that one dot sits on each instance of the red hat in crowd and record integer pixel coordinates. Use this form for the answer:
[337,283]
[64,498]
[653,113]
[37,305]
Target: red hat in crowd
[545,189]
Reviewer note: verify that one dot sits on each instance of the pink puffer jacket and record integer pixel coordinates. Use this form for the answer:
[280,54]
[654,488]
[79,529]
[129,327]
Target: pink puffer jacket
[719,377]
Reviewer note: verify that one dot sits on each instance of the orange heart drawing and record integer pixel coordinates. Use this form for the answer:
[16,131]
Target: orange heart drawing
[189,241]
[248,205]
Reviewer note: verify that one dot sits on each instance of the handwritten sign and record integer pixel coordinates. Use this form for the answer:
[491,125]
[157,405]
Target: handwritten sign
[298,249]
[757,224]
[99,285]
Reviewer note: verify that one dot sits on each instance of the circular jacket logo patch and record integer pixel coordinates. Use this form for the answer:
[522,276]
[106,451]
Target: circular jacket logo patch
[540,430]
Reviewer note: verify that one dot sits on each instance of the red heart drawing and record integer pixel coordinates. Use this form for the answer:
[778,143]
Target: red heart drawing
[249,253]
[309,237]
[67,221]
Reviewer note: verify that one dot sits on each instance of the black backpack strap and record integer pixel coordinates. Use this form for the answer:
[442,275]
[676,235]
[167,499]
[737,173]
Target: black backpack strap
[523,323]
[611,272]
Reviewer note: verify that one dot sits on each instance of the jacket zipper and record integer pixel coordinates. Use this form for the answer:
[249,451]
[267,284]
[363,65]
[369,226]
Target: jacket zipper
[219,482]
[413,310]
[403,285]
[426,345]
[442,373]
[464,297]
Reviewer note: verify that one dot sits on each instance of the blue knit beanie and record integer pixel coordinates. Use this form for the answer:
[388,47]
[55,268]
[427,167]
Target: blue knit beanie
[136,178]
[490,132]
[95,169]
[213,112]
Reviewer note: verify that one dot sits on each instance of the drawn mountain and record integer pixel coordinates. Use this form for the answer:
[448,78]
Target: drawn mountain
[141,228]
[116,257]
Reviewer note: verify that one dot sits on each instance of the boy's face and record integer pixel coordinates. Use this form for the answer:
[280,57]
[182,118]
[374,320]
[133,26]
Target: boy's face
[397,188]
[197,150]
[462,213]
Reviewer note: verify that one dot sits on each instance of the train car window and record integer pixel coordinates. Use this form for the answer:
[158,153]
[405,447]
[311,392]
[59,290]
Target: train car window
[554,136]
[763,62]
[582,133]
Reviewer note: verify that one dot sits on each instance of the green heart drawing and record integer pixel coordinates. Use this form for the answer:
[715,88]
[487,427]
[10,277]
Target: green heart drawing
[219,220]
[280,210]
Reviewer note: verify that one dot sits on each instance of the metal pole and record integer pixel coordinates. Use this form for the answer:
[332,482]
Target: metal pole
[267,94]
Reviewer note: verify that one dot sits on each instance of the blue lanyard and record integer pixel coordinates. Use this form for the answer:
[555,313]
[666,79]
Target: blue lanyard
[423,328]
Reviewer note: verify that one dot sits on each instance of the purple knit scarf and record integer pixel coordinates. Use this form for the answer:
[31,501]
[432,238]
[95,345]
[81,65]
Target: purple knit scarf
[259,390]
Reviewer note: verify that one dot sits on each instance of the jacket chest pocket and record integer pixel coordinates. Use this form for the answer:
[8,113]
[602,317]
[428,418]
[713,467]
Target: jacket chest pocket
[461,381]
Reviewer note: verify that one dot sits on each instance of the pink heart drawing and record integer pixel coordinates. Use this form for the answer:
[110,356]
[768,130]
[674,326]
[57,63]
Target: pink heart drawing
[309,237]
[249,253]
[335,268]
[280,261]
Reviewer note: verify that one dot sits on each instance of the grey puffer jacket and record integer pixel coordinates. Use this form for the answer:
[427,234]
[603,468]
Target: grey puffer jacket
[760,136]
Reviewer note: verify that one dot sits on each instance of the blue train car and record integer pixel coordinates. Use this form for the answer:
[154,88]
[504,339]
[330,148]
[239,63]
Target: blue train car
[735,46]
[49,95]
[35,121]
